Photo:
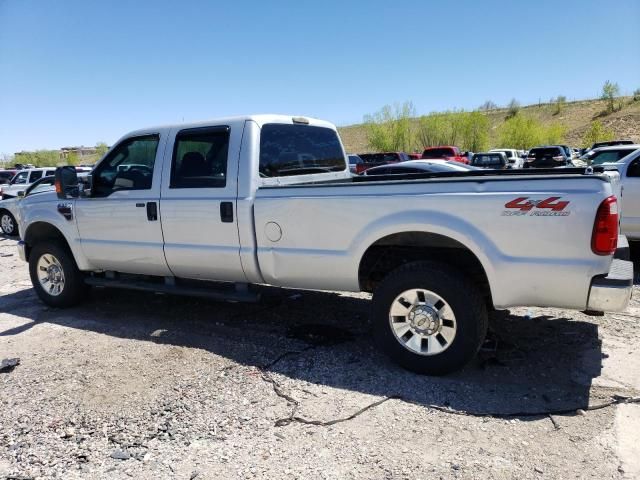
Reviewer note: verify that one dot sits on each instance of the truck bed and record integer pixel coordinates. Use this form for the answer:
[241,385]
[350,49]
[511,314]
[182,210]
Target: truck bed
[327,228]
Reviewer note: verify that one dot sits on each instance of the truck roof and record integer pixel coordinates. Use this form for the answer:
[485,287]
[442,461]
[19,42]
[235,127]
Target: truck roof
[260,119]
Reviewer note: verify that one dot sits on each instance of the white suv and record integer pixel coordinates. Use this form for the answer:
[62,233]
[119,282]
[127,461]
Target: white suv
[23,179]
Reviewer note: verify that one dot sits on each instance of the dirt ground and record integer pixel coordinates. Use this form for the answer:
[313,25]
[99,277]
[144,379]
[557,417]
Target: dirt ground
[144,386]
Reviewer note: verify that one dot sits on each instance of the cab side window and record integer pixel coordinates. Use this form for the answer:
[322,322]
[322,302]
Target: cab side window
[634,168]
[128,167]
[200,158]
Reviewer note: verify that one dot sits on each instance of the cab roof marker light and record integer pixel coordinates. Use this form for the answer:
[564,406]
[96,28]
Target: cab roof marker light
[301,120]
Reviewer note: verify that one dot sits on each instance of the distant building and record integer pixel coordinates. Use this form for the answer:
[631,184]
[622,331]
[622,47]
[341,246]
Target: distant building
[80,152]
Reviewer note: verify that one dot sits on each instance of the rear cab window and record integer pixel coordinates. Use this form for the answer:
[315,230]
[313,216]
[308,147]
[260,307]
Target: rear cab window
[294,149]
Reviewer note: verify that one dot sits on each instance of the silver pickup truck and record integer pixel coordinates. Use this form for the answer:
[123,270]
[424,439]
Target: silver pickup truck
[215,208]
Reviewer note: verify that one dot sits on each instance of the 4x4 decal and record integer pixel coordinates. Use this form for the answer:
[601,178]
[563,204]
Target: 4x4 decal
[548,207]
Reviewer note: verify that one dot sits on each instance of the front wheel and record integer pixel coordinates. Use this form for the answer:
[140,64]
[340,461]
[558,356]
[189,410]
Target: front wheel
[55,275]
[8,223]
[429,318]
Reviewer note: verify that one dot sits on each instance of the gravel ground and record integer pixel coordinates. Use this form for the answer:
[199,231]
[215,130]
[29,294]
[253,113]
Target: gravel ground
[136,385]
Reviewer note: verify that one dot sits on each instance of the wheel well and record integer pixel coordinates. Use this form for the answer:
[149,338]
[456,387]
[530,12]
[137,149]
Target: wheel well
[395,250]
[39,231]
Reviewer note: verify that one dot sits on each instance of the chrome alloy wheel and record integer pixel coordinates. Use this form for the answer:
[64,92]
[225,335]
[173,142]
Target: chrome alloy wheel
[50,274]
[6,223]
[422,322]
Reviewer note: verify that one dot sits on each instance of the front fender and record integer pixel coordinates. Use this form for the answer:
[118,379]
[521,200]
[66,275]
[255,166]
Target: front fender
[47,212]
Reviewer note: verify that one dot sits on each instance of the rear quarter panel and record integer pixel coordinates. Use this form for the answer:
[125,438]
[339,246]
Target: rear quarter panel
[530,258]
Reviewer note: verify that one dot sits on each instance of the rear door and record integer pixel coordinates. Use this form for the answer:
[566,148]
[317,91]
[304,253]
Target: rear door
[119,224]
[198,204]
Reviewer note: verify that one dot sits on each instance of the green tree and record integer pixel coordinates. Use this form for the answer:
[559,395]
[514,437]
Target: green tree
[390,129]
[524,132]
[609,93]
[101,149]
[596,133]
[636,95]
[475,132]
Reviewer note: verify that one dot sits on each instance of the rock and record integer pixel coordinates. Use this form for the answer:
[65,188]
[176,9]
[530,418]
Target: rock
[581,412]
[194,474]
[537,470]
[120,455]
[8,364]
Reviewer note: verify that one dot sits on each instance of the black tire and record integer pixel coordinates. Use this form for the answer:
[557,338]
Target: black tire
[8,220]
[74,290]
[454,288]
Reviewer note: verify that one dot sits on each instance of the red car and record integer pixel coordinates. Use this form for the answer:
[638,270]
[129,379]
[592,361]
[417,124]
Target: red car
[375,159]
[445,152]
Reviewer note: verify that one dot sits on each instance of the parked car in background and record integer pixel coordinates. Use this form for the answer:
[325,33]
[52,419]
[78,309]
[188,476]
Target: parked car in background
[23,179]
[550,156]
[494,160]
[444,152]
[6,176]
[611,143]
[568,152]
[356,164]
[418,166]
[513,156]
[629,169]
[8,208]
[415,156]
[384,158]
[602,155]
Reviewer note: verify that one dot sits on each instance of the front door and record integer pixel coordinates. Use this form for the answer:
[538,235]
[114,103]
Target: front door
[119,224]
[198,204]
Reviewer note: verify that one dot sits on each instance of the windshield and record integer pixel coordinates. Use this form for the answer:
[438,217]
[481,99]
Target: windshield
[608,156]
[438,153]
[20,178]
[299,149]
[486,160]
[379,158]
[545,152]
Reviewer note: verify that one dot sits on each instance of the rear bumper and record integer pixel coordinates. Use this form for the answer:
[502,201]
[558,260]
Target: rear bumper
[612,292]
[22,252]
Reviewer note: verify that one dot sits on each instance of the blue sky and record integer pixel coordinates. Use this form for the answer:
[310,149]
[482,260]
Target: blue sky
[77,71]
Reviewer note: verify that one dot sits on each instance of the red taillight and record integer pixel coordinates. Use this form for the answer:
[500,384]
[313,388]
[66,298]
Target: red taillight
[360,168]
[604,240]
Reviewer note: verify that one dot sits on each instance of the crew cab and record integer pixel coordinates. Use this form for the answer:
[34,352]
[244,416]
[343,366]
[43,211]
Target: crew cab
[217,208]
[445,152]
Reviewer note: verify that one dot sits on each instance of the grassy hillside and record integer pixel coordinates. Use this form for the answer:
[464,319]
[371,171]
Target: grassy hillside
[575,115]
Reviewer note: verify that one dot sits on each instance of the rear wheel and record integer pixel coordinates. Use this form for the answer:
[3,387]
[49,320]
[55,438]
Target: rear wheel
[55,275]
[429,318]
[8,223]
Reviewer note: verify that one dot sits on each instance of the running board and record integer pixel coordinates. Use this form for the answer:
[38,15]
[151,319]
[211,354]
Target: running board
[213,291]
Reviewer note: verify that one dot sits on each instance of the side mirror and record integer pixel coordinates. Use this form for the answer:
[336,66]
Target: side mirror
[66,183]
